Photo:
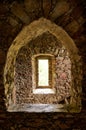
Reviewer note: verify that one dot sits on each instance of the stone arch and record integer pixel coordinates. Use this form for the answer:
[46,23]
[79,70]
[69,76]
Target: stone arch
[29,33]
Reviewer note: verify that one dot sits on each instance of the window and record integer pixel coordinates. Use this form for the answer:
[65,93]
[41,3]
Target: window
[43,73]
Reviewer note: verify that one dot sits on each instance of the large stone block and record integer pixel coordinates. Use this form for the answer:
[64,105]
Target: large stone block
[18,11]
[32,5]
[3,9]
[46,7]
[72,27]
[2,57]
[12,21]
[60,8]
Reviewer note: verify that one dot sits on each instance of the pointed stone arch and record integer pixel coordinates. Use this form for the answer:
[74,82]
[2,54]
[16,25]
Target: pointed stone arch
[30,32]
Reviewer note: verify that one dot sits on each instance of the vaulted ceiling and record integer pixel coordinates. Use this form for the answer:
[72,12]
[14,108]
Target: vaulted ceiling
[69,14]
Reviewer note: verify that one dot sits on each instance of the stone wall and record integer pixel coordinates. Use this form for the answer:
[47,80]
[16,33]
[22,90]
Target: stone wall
[44,44]
[73,21]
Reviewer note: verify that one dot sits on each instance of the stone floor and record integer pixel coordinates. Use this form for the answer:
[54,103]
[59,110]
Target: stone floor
[37,108]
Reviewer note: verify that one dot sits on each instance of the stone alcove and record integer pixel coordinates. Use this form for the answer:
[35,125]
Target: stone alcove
[43,37]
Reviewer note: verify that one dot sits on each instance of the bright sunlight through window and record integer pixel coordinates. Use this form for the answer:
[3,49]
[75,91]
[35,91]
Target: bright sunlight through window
[43,72]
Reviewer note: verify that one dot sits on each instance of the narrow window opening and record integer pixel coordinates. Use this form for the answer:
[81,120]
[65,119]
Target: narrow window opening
[43,72]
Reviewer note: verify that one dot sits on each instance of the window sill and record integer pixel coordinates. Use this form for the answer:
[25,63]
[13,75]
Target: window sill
[44,91]
[43,108]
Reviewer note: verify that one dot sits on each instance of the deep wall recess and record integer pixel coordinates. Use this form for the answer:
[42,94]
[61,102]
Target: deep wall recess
[42,36]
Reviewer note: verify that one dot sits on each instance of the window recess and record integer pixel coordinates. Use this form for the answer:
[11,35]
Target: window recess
[43,73]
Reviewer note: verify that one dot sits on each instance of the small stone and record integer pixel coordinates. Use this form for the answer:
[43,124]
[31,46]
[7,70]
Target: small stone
[12,128]
[81,20]
[25,128]
[3,8]
[63,76]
